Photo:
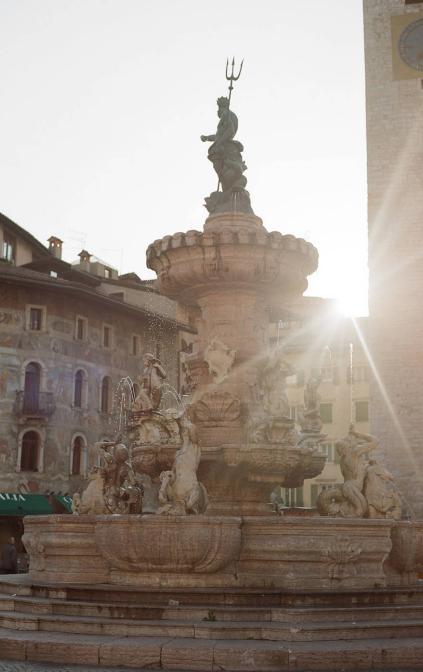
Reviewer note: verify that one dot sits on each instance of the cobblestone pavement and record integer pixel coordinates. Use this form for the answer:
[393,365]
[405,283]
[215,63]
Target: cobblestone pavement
[6,666]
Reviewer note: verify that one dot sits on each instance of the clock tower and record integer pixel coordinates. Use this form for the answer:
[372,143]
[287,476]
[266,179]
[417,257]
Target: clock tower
[394,104]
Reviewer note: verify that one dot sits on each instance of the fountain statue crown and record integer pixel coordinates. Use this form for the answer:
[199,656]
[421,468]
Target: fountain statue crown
[225,155]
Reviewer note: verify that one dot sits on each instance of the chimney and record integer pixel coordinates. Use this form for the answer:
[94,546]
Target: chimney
[55,246]
[85,260]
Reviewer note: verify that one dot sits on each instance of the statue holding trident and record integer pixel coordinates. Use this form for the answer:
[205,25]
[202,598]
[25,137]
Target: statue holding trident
[225,155]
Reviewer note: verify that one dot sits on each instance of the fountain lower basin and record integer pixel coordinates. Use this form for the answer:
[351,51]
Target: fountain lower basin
[292,553]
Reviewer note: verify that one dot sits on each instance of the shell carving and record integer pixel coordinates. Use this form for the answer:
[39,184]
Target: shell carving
[218,407]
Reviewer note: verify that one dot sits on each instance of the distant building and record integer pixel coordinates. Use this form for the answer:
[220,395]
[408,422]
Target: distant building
[68,335]
[318,341]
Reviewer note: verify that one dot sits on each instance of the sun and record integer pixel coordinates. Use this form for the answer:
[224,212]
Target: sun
[353,304]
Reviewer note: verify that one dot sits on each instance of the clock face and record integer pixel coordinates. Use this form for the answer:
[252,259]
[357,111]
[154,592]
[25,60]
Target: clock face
[410,45]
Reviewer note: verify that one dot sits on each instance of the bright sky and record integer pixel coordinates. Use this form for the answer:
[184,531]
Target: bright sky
[104,102]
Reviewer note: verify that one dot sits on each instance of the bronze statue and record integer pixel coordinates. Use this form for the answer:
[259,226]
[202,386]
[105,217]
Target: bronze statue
[225,155]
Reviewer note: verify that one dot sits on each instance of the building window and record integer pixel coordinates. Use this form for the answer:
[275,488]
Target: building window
[300,378]
[358,374]
[77,450]
[107,273]
[328,450]
[9,248]
[326,413]
[326,374]
[291,380]
[107,336]
[32,388]
[362,411]
[30,453]
[35,319]
[80,389]
[292,497]
[106,395]
[135,345]
[81,329]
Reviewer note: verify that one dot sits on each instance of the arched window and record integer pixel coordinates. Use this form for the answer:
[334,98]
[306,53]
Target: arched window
[77,448]
[79,395]
[30,453]
[32,387]
[106,395]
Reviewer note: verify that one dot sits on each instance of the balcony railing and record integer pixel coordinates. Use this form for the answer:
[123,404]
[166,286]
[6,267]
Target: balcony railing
[42,406]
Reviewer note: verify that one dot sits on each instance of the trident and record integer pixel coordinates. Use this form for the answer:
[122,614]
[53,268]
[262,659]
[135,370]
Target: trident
[232,78]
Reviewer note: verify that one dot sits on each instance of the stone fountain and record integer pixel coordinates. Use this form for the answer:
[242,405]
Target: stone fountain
[207,470]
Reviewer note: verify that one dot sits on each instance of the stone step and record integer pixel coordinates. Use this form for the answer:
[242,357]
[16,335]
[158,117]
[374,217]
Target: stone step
[193,655]
[347,614]
[271,598]
[37,605]
[248,630]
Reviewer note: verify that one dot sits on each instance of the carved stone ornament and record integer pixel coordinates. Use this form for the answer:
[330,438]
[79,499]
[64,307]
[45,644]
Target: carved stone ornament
[153,428]
[220,359]
[341,560]
[113,486]
[151,384]
[200,544]
[217,407]
[36,550]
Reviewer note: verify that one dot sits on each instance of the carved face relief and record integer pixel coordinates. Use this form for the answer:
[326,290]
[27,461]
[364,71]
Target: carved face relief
[220,359]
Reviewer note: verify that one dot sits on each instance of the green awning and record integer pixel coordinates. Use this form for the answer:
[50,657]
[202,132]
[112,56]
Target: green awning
[65,501]
[16,504]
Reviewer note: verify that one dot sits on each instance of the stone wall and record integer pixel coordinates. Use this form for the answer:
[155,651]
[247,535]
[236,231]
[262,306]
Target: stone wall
[395,202]
[60,355]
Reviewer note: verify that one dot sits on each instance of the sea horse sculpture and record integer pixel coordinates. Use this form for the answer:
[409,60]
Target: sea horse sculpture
[180,492]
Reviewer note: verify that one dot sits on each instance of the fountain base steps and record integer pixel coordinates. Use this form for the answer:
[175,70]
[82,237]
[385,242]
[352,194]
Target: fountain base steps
[194,655]
[233,630]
